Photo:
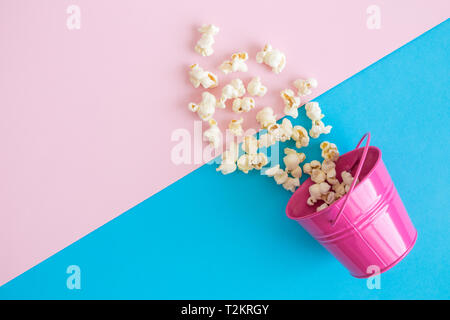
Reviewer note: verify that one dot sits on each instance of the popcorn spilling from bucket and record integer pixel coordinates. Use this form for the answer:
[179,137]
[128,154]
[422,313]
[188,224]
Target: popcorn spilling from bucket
[328,187]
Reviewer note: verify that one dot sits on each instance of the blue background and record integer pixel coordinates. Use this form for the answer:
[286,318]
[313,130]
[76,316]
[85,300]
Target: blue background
[210,236]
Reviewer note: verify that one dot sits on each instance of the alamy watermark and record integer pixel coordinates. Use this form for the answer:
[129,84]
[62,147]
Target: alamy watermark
[190,148]
[73,21]
[74,278]
[373,21]
[374,281]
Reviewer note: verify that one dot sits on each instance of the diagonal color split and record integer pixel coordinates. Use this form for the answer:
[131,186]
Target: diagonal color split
[237,243]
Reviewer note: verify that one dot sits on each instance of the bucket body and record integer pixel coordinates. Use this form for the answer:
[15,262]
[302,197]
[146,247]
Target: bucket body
[373,232]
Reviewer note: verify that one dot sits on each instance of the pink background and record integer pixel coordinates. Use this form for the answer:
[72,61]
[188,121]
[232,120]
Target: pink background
[86,115]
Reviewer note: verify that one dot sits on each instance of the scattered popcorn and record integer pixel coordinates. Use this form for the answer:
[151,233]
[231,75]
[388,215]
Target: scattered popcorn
[304,86]
[300,136]
[243,105]
[256,88]
[204,45]
[291,183]
[235,89]
[235,127]
[258,160]
[272,57]
[250,145]
[237,63]
[198,77]
[278,174]
[206,108]
[265,117]
[229,158]
[318,128]
[287,130]
[291,103]
[313,111]
[307,168]
[327,188]
[244,164]
[292,158]
[227,167]
[213,134]
[321,207]
[329,151]
[281,132]
[248,162]
[266,140]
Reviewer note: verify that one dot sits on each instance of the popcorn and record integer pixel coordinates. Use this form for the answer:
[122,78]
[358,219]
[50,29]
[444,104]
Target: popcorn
[331,175]
[329,197]
[198,77]
[339,189]
[317,190]
[213,134]
[256,88]
[321,207]
[297,172]
[291,183]
[332,180]
[278,174]
[318,176]
[248,162]
[227,167]
[281,132]
[347,178]
[237,63]
[235,127]
[244,164]
[286,130]
[257,161]
[307,168]
[304,86]
[311,201]
[250,145]
[313,111]
[243,105]
[229,158]
[318,128]
[235,89]
[265,117]
[204,45]
[291,103]
[206,108]
[329,151]
[272,57]
[300,136]
[292,159]
[328,165]
[266,140]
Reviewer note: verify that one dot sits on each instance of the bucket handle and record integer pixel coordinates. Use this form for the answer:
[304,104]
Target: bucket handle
[358,171]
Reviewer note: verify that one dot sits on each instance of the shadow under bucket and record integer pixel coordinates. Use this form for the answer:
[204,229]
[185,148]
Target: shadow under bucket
[369,226]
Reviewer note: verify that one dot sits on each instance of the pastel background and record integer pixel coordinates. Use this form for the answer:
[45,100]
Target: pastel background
[86,118]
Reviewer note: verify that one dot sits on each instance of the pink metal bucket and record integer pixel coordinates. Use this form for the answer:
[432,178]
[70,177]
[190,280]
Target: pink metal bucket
[369,227]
